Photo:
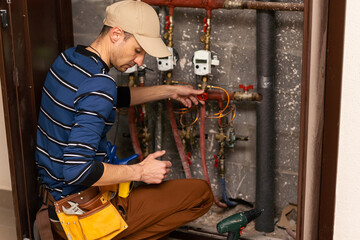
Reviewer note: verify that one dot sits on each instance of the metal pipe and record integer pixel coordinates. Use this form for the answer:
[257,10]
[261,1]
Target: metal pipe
[221,137]
[258,5]
[203,153]
[133,133]
[228,4]
[177,139]
[158,140]
[265,129]
[132,124]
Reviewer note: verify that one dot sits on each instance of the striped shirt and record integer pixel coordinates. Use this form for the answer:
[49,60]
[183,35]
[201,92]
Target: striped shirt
[78,108]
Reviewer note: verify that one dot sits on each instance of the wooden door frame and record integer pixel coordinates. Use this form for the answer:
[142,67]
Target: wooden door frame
[21,83]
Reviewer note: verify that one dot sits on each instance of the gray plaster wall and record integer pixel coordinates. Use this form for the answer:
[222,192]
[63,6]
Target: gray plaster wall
[233,40]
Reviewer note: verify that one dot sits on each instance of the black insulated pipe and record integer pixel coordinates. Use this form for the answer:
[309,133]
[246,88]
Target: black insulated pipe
[265,127]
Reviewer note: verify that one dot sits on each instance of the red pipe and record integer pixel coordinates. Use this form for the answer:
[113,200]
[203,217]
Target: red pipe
[206,4]
[203,155]
[177,139]
[219,95]
[228,4]
[133,133]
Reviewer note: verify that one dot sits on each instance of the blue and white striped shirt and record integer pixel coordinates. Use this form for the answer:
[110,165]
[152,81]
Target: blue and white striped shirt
[78,108]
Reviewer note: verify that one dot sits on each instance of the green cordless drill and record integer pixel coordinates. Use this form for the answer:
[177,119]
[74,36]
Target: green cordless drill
[236,223]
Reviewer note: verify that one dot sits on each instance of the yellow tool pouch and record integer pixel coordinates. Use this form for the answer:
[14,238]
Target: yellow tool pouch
[89,215]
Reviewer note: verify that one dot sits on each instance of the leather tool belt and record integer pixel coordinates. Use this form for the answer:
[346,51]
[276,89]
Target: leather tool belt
[90,214]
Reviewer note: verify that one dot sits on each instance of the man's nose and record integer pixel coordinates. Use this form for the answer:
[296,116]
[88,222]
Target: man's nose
[139,59]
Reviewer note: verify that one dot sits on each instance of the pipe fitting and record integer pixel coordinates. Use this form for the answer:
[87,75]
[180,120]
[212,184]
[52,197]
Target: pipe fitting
[246,96]
[221,136]
[233,4]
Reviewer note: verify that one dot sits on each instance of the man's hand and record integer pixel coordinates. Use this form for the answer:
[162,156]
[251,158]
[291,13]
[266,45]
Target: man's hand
[186,95]
[153,170]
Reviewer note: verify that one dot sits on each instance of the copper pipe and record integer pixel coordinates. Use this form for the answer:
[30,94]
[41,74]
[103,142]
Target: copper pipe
[228,4]
[177,139]
[203,154]
[133,133]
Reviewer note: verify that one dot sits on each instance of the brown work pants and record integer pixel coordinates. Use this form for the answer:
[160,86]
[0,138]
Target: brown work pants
[154,211]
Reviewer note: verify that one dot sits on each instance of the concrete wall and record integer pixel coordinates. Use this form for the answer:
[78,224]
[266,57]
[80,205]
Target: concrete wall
[234,42]
[347,187]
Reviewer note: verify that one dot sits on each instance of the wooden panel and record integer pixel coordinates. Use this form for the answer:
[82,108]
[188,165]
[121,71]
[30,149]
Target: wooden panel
[56,18]
[35,36]
[334,62]
[306,56]
[9,86]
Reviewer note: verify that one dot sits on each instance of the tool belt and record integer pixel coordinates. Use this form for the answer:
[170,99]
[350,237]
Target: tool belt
[89,214]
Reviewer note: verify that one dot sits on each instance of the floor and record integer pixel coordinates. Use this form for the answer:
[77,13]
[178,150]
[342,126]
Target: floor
[7,216]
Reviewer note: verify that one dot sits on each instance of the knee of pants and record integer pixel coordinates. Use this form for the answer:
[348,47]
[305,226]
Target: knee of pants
[204,191]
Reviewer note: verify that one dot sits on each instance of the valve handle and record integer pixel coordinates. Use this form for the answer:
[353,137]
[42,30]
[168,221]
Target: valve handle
[206,25]
[246,88]
[188,158]
[203,96]
[167,22]
[216,161]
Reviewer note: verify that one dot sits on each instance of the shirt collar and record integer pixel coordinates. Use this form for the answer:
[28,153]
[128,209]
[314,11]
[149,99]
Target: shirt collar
[82,50]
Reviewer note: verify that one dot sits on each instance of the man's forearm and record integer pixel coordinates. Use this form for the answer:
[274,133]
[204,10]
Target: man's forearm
[114,174]
[141,95]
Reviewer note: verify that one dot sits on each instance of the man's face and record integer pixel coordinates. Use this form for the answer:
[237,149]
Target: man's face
[127,53]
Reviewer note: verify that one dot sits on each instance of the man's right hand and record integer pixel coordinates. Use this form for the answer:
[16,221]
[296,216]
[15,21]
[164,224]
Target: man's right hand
[150,170]
[153,170]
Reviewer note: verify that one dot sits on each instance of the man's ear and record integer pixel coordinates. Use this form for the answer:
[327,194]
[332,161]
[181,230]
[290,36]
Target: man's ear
[116,34]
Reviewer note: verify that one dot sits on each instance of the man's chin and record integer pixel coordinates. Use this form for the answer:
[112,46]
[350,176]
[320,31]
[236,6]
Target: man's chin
[122,68]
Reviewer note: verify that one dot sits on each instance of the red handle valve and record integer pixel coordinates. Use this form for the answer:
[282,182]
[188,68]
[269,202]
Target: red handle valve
[246,88]
[216,161]
[188,158]
[203,96]
[167,22]
[206,25]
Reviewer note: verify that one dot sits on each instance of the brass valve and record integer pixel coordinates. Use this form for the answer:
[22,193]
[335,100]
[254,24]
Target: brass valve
[221,136]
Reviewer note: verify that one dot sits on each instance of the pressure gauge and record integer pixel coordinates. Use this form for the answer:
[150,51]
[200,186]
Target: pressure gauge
[202,62]
[168,63]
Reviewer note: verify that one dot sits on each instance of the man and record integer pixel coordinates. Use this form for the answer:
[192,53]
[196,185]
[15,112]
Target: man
[78,105]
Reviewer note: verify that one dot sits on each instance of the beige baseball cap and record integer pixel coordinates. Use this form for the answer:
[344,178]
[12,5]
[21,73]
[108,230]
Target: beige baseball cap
[141,20]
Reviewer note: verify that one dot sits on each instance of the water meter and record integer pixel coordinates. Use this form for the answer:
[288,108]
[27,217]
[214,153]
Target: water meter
[202,62]
[167,63]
